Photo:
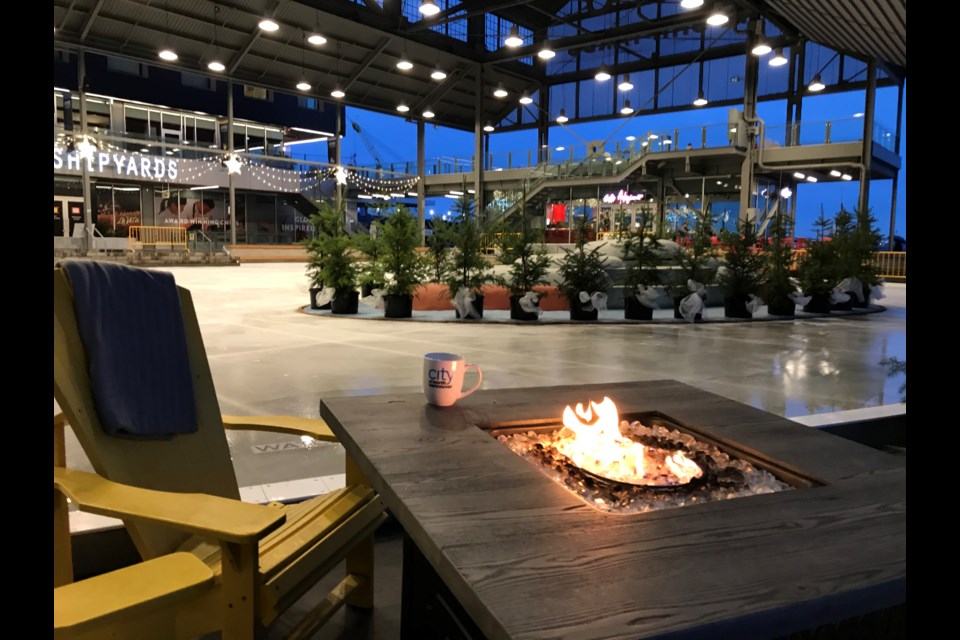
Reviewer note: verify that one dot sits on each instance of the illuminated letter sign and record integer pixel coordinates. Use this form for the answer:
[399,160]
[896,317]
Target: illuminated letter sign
[622,197]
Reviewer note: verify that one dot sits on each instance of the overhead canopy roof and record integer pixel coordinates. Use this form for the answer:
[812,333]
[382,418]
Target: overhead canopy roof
[366,38]
[866,28]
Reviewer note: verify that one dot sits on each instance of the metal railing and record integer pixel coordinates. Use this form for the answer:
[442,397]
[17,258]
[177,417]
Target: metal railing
[889,264]
[141,236]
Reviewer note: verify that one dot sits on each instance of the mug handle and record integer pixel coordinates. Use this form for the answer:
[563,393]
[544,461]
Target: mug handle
[467,367]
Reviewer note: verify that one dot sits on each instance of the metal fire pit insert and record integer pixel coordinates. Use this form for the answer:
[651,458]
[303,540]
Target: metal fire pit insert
[729,471]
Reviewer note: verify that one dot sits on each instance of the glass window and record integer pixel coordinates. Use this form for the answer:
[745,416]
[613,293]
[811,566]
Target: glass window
[122,65]
[197,81]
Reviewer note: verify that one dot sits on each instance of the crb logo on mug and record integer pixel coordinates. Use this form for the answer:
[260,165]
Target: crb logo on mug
[443,375]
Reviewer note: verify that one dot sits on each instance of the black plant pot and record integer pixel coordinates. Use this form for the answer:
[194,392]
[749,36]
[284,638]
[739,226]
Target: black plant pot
[678,315]
[843,306]
[478,305]
[819,303]
[517,313]
[866,298]
[366,290]
[736,306]
[577,312]
[633,309]
[314,292]
[782,307]
[398,306]
[345,303]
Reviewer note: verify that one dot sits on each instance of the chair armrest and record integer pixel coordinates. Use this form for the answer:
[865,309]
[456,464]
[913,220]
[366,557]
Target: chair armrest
[313,427]
[124,593]
[211,516]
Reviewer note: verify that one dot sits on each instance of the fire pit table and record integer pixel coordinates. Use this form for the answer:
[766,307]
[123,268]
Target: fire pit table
[694,516]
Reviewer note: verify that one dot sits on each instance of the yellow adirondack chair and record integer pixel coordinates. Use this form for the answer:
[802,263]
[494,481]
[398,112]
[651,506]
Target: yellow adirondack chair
[210,562]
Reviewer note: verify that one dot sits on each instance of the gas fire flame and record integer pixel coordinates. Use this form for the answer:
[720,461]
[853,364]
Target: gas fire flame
[591,439]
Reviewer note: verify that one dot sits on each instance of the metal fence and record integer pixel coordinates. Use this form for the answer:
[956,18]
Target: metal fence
[174,237]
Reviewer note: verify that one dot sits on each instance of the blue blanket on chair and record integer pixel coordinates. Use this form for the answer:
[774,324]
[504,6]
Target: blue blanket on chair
[132,329]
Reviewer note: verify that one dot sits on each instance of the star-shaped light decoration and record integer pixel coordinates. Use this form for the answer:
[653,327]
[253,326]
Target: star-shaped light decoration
[86,148]
[233,163]
[341,175]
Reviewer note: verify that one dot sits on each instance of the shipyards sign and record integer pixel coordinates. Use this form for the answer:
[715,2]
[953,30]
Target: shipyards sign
[121,165]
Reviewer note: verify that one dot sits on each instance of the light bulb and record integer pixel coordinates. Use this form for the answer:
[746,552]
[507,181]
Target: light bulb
[778,59]
[338,92]
[700,101]
[267,24]
[402,108]
[718,18]
[428,113]
[817,84]
[303,85]
[316,39]
[429,8]
[761,49]
[500,92]
[602,75]
[546,53]
[168,54]
[525,98]
[438,74]
[625,84]
[216,65]
[562,117]
[513,39]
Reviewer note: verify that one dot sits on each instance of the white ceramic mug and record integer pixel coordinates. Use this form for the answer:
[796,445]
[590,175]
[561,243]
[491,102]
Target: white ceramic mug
[443,378]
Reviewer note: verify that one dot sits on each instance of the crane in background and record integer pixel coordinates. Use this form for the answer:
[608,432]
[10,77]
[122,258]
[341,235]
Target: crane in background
[372,146]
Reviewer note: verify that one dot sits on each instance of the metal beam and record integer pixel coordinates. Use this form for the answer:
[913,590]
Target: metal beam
[477,7]
[90,19]
[679,21]
[238,57]
[367,61]
[441,89]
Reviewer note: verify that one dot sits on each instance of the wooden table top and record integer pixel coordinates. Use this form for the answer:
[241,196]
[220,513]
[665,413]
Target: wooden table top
[528,559]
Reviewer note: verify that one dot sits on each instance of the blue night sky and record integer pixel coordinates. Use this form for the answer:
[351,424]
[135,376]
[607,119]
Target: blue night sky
[395,140]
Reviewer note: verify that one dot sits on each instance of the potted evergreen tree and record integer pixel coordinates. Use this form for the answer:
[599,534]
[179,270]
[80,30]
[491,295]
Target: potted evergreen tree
[332,260]
[846,257]
[403,267]
[779,285]
[467,268]
[370,272]
[744,273]
[583,276]
[817,271]
[866,239]
[438,250]
[695,264]
[521,247]
[641,256]
[324,222]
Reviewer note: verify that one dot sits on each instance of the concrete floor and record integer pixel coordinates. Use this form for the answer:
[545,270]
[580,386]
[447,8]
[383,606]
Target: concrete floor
[268,358]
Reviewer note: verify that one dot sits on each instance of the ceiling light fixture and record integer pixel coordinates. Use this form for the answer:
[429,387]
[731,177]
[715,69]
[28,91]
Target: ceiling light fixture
[778,59]
[338,92]
[316,39]
[602,75]
[404,63]
[811,179]
[626,109]
[700,101]
[798,175]
[786,192]
[718,18]
[526,99]
[835,173]
[563,116]
[428,113]
[631,138]
[438,73]
[429,8]
[691,4]
[303,85]
[488,128]
[500,92]
[546,53]
[268,24]
[816,84]
[214,63]
[168,54]
[513,38]
[761,48]
[846,176]
[402,107]
[625,84]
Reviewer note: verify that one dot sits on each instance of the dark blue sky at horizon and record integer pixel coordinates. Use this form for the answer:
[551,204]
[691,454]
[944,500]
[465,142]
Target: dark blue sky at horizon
[395,140]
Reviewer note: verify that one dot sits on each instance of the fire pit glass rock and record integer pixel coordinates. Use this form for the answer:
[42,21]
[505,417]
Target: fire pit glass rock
[629,467]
